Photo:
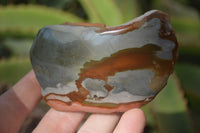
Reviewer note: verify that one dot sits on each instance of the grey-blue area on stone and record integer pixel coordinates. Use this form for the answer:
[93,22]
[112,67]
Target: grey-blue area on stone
[136,82]
[55,58]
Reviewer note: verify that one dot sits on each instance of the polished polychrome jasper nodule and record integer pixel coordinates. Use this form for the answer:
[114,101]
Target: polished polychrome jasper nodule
[95,68]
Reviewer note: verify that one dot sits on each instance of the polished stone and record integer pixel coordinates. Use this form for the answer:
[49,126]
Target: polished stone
[95,68]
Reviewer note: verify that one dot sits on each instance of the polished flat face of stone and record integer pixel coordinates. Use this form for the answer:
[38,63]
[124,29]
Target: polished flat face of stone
[94,68]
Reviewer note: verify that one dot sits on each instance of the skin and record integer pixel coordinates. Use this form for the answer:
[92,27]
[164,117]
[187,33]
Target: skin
[18,102]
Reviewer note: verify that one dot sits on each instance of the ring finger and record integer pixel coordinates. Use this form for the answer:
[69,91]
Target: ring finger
[100,123]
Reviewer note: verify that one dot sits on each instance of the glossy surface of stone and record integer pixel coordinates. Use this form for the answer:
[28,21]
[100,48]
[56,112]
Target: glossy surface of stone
[94,68]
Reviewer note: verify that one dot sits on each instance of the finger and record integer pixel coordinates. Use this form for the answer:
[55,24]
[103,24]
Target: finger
[28,91]
[59,122]
[18,102]
[100,123]
[132,121]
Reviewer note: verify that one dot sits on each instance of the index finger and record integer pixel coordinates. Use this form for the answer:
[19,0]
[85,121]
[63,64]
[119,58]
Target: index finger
[18,102]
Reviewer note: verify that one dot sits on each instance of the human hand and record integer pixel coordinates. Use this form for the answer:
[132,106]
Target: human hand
[17,103]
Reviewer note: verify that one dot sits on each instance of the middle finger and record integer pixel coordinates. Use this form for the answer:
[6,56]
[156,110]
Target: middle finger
[60,122]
